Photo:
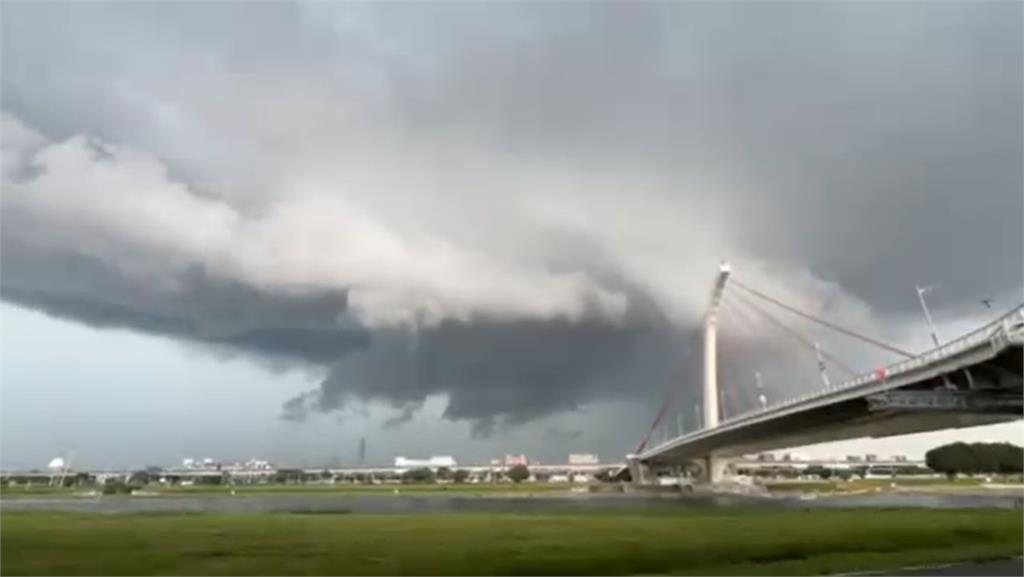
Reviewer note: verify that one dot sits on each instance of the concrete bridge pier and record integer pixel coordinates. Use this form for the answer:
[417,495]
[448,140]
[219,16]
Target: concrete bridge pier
[638,471]
[715,467]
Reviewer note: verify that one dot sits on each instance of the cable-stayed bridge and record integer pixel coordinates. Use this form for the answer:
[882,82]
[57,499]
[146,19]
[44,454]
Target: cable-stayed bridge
[975,379]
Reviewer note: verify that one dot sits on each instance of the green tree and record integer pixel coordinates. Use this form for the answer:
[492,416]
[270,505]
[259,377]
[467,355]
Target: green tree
[963,458]
[139,478]
[116,486]
[461,475]
[1006,458]
[819,471]
[443,474]
[518,473]
[418,476]
[288,476]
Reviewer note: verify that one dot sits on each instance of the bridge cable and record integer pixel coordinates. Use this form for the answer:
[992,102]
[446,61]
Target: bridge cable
[731,402]
[657,419]
[797,335]
[820,321]
[743,320]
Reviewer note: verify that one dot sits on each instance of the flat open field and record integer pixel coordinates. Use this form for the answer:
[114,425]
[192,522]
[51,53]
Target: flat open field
[715,541]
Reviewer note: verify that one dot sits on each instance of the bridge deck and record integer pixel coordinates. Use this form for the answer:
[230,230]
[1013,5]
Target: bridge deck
[993,353]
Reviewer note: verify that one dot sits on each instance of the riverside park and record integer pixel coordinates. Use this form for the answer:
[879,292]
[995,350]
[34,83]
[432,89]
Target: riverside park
[794,529]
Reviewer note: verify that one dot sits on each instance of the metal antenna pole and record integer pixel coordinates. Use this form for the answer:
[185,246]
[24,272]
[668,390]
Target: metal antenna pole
[927,313]
[760,391]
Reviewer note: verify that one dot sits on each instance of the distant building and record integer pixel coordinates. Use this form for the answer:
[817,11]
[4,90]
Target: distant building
[583,459]
[206,463]
[513,460]
[853,458]
[870,457]
[899,458]
[433,463]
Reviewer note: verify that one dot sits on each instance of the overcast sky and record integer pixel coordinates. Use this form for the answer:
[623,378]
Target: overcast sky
[463,228]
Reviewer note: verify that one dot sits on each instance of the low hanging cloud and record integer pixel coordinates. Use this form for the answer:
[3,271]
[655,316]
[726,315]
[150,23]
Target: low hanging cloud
[310,239]
[519,208]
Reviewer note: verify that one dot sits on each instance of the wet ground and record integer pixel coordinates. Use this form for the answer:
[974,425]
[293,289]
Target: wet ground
[408,503]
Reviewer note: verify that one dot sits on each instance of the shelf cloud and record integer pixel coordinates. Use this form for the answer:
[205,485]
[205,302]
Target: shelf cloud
[518,206]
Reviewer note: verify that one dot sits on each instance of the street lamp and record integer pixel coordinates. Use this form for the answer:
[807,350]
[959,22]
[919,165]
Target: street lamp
[935,339]
[821,366]
[927,315]
[760,391]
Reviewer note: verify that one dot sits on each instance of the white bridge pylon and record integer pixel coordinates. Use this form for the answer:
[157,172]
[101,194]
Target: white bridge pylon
[711,349]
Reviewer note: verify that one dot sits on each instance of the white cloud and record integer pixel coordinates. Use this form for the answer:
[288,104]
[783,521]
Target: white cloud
[120,205]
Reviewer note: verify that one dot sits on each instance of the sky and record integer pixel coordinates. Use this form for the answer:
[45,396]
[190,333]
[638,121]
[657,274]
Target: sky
[476,229]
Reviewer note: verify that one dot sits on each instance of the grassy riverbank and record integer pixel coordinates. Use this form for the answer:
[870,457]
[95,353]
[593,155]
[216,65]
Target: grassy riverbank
[716,541]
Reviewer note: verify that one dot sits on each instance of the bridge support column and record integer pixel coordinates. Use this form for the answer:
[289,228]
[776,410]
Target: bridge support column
[716,467]
[638,471]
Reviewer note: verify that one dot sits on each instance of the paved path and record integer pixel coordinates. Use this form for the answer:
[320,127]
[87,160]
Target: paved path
[1013,567]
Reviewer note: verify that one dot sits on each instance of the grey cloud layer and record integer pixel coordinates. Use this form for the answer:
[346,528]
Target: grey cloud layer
[516,206]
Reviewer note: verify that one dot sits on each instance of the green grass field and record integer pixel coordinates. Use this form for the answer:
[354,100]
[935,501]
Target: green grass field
[719,541]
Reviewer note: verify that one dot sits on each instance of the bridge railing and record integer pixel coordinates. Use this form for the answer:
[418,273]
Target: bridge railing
[1010,323]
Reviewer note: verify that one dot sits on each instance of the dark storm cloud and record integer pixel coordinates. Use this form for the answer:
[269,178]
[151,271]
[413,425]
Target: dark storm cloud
[874,142]
[298,327]
[508,373]
[407,415]
[560,434]
[869,145]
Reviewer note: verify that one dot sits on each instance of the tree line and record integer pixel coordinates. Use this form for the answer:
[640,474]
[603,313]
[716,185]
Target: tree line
[974,458]
[517,473]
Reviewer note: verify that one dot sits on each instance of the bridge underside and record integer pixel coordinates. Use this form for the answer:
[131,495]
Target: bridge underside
[987,392]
